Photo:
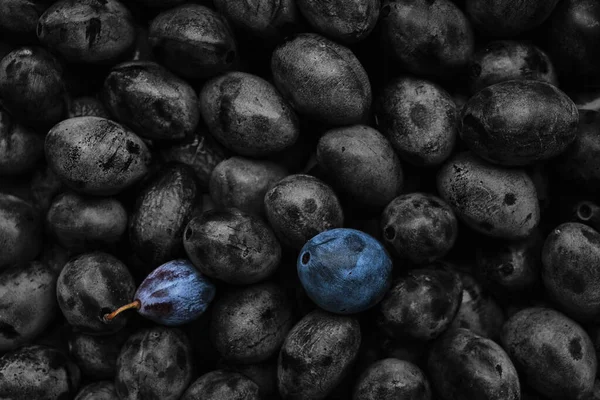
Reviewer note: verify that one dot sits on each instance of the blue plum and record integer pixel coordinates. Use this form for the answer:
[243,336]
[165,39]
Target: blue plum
[173,294]
[344,271]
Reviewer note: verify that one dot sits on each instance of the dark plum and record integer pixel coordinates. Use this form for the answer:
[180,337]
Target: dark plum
[97,356]
[19,18]
[519,122]
[392,379]
[419,118]
[28,303]
[508,18]
[199,151]
[552,353]
[492,200]
[263,374]
[510,269]
[90,285]
[322,80]
[574,31]
[579,165]
[363,164]
[173,294]
[222,385]
[82,223]
[268,19]
[162,211]
[193,41]
[242,183]
[20,231]
[247,115]
[20,147]
[96,156]
[87,106]
[87,31]
[317,354]
[432,38]
[344,271]
[299,207]
[232,246]
[478,311]
[464,365]
[249,324]
[342,20]
[155,363]
[101,390]
[37,372]
[587,213]
[32,87]
[568,255]
[506,60]
[422,304]
[420,227]
[152,101]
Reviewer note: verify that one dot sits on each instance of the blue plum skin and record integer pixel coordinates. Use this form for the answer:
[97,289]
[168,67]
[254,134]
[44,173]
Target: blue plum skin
[175,293]
[344,271]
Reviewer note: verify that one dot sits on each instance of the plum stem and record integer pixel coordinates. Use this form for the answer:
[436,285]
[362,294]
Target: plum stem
[134,304]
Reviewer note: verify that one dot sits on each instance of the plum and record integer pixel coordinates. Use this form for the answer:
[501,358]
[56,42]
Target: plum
[249,324]
[153,102]
[96,156]
[20,231]
[101,390]
[420,227]
[553,354]
[87,31]
[492,200]
[421,304]
[316,355]
[419,118]
[431,38]
[173,294]
[242,183]
[232,246]
[391,379]
[90,285]
[569,258]
[161,212]
[154,363]
[32,86]
[83,223]
[300,206]
[519,122]
[343,20]
[508,18]
[193,40]
[506,60]
[38,372]
[20,147]
[464,365]
[267,19]
[248,115]
[363,164]
[28,298]
[322,80]
[221,385]
[344,271]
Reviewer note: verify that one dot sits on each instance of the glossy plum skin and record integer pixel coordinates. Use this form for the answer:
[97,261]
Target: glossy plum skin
[174,293]
[38,372]
[90,285]
[155,363]
[344,271]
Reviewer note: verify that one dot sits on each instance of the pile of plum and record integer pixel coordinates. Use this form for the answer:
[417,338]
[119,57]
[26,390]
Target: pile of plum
[299,199]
